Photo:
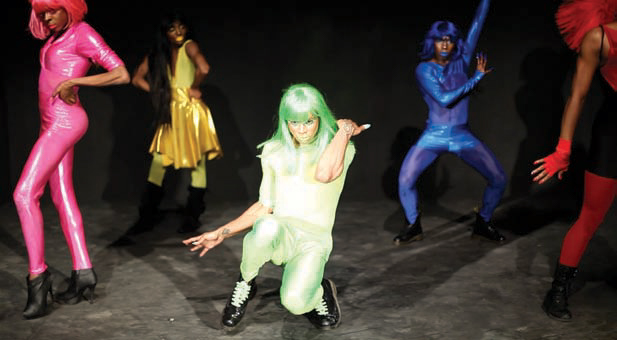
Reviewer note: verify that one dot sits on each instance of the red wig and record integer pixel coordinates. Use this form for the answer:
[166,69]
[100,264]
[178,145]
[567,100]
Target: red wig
[577,17]
[75,10]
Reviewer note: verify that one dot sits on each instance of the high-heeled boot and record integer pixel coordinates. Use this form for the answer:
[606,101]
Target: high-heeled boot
[37,295]
[149,213]
[81,280]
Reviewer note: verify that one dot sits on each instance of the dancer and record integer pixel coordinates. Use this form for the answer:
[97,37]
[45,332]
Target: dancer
[304,166]
[445,87]
[186,136]
[588,27]
[65,59]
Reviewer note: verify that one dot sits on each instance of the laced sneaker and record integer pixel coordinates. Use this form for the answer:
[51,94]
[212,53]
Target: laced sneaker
[326,314]
[236,305]
[485,230]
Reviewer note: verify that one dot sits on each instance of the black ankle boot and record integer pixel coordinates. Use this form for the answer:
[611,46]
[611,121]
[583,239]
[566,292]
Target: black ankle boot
[195,206]
[149,214]
[81,280]
[327,314]
[485,230]
[556,300]
[37,295]
[236,305]
[410,233]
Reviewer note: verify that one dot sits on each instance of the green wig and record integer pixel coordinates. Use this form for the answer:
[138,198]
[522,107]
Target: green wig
[299,101]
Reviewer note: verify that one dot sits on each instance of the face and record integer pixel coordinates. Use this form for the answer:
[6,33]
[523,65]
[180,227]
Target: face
[443,47]
[177,33]
[304,132]
[55,19]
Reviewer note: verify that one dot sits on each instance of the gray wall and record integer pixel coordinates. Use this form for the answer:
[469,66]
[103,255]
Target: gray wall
[360,57]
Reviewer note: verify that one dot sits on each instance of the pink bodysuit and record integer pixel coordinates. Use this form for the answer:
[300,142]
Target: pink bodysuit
[51,159]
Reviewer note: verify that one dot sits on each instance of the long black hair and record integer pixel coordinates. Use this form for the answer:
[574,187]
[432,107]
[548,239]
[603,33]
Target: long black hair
[159,61]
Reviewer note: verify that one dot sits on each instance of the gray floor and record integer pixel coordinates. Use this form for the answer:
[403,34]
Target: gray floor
[444,287]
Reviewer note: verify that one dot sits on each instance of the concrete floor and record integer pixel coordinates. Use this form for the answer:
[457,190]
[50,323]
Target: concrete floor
[444,287]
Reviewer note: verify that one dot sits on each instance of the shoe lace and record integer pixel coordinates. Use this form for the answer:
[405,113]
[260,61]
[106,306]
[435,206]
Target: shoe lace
[240,294]
[322,308]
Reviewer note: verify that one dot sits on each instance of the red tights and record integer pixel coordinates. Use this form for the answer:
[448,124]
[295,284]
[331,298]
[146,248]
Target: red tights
[598,197]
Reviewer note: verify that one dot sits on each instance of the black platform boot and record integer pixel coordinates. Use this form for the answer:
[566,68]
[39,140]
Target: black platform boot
[238,300]
[410,233]
[81,280]
[327,314]
[556,301]
[37,295]
[195,206]
[485,230]
[149,214]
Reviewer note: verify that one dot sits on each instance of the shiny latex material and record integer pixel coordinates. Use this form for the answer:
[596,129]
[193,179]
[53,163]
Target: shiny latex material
[446,131]
[298,235]
[436,140]
[157,172]
[609,70]
[51,158]
[191,134]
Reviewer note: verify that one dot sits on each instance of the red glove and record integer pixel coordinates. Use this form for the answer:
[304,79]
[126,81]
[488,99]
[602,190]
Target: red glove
[558,160]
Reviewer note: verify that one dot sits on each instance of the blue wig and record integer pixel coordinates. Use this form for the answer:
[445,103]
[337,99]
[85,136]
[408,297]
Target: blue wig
[438,30]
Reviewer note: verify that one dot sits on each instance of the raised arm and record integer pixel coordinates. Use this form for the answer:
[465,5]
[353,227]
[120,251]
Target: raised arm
[139,76]
[587,62]
[429,83]
[332,162]
[474,30]
[201,67]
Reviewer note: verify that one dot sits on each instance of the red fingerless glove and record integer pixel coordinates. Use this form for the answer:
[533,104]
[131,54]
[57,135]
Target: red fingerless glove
[560,159]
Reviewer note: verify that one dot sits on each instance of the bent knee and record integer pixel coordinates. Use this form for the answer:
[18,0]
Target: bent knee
[295,303]
[266,226]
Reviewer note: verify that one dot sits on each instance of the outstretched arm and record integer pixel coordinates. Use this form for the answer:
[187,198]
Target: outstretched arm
[211,239]
[426,77]
[331,163]
[474,30]
[586,65]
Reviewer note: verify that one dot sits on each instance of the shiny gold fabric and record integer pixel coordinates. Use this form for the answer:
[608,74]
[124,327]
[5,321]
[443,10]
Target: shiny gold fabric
[190,135]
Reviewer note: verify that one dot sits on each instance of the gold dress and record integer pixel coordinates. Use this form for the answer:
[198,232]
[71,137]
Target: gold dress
[191,134]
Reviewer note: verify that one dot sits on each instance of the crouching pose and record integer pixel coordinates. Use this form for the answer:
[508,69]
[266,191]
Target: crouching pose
[304,166]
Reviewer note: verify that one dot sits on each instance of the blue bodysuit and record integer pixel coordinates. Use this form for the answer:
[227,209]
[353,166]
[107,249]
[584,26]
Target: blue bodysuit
[447,131]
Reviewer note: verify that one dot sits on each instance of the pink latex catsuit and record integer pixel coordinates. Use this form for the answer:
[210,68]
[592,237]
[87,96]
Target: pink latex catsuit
[51,159]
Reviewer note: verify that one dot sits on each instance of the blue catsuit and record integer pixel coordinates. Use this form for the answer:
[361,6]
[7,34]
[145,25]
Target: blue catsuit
[446,131]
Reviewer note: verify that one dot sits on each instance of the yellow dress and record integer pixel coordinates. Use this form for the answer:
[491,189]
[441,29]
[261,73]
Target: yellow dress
[191,134]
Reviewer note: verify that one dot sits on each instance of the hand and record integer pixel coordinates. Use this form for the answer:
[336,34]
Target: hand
[350,127]
[549,165]
[194,93]
[481,63]
[66,92]
[557,162]
[206,241]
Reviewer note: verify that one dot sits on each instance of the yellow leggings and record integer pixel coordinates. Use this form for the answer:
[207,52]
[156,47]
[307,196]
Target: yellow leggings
[157,172]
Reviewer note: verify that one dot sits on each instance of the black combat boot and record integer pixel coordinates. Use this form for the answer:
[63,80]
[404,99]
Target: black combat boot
[556,301]
[195,206]
[149,213]
[410,233]
[238,300]
[485,230]
[327,314]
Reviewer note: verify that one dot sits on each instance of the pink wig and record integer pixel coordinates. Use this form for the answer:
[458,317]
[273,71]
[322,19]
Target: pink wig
[75,10]
[577,17]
